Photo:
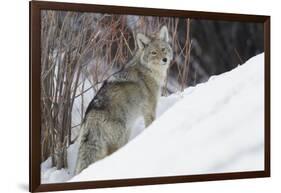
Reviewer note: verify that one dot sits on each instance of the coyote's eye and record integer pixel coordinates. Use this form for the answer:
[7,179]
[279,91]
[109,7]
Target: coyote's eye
[153,53]
[163,49]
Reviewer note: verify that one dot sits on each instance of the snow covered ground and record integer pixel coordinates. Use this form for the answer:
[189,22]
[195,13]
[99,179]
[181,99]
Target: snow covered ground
[215,127]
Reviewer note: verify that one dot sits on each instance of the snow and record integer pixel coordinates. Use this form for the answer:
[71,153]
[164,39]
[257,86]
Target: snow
[215,127]
[52,175]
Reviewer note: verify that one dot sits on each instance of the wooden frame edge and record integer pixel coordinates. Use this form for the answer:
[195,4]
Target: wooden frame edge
[114,9]
[150,181]
[34,98]
[267,95]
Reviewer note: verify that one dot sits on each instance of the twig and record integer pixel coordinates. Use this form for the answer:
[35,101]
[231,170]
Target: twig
[238,55]
[126,43]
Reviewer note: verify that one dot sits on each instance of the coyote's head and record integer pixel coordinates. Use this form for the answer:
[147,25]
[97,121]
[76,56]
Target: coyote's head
[156,53]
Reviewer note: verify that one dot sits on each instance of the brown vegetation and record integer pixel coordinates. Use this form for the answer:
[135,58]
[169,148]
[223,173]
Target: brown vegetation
[76,47]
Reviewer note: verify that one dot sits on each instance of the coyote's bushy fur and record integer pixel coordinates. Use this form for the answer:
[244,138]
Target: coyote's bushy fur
[132,93]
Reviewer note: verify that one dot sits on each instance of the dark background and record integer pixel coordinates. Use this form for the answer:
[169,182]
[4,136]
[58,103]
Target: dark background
[219,46]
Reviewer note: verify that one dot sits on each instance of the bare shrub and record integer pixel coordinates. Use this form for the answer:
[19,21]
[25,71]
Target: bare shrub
[81,48]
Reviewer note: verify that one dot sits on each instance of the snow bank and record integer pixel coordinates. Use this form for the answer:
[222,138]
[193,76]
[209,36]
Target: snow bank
[52,175]
[214,127]
[217,127]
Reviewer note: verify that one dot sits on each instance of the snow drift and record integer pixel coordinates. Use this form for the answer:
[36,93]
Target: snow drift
[215,127]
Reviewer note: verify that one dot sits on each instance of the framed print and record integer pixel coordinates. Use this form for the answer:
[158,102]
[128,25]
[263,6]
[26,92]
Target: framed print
[124,96]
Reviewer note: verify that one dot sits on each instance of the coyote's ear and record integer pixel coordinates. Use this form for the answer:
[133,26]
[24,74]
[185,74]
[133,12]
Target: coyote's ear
[163,34]
[142,40]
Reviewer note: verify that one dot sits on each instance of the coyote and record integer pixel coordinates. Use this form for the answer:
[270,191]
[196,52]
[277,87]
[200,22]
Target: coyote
[129,94]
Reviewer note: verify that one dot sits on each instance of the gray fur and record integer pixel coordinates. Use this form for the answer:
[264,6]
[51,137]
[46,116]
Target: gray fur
[132,93]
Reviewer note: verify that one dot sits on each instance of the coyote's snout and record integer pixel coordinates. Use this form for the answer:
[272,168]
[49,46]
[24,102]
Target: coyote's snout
[132,93]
